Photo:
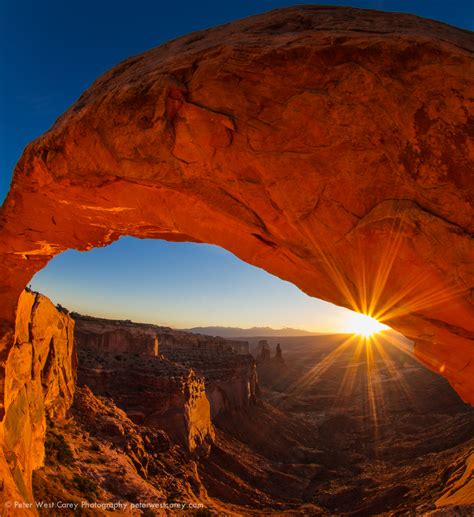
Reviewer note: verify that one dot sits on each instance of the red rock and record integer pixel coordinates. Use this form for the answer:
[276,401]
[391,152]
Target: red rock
[40,374]
[153,392]
[121,460]
[230,376]
[329,146]
[263,352]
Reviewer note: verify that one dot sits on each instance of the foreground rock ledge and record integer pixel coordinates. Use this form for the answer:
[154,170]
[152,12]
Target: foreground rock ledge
[329,146]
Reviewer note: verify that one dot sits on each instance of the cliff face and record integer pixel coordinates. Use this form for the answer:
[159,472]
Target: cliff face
[231,378]
[115,460]
[39,380]
[153,392]
[145,338]
[329,146]
[115,336]
[230,374]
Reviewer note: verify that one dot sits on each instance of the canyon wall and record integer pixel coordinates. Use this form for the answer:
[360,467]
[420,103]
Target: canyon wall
[169,391]
[39,380]
[120,341]
[239,391]
[231,377]
[153,392]
[329,146]
[145,338]
[109,351]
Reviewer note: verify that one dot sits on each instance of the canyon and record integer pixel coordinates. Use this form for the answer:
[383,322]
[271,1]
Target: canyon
[152,390]
[329,146]
[217,373]
[320,425]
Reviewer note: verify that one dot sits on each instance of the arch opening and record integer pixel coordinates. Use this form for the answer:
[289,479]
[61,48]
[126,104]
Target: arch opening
[186,285]
[353,386]
[334,157]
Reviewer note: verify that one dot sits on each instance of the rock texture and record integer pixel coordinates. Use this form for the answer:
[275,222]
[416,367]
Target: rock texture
[40,374]
[99,455]
[153,392]
[115,336]
[230,377]
[329,146]
[145,338]
[346,429]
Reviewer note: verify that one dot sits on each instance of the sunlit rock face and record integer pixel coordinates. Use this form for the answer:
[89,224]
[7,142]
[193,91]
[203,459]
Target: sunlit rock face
[94,333]
[40,373]
[119,358]
[146,338]
[329,146]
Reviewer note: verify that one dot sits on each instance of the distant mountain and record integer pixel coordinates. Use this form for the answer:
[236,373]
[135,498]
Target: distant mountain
[229,332]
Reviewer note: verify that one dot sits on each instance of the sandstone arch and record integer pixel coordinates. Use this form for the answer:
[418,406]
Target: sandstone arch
[329,146]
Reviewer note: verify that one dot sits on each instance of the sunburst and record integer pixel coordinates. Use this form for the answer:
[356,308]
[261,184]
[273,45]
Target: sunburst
[364,325]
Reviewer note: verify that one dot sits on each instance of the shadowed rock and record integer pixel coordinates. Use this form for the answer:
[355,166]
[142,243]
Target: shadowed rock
[230,375]
[278,354]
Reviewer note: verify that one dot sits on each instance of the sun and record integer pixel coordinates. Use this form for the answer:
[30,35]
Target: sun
[364,325]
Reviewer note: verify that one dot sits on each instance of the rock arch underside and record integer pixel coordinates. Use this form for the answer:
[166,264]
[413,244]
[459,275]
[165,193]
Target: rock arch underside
[331,147]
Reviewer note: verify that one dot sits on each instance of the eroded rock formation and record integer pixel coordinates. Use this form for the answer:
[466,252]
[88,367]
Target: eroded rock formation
[230,375]
[329,146]
[166,396]
[111,459]
[139,338]
[278,354]
[114,336]
[40,374]
[231,378]
[153,392]
[322,445]
[263,351]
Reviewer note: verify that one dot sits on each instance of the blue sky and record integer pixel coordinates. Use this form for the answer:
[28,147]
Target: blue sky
[180,285]
[50,52]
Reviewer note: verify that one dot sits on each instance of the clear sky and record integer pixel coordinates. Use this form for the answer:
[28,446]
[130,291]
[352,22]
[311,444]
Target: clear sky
[50,52]
[180,285]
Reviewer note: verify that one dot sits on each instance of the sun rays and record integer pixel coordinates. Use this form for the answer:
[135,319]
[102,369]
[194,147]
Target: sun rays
[360,367]
[381,271]
[376,271]
[378,294]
